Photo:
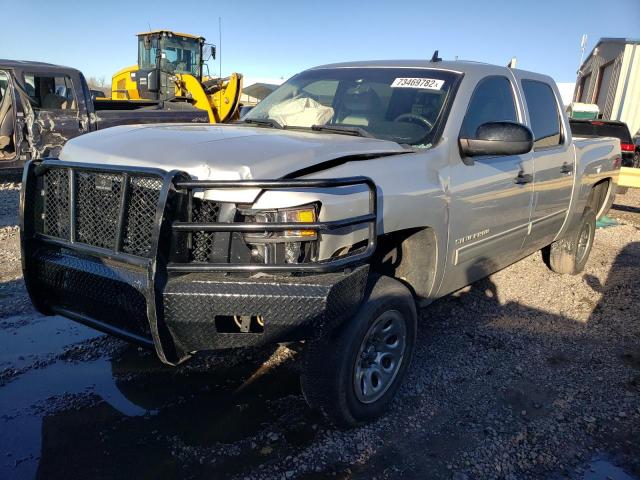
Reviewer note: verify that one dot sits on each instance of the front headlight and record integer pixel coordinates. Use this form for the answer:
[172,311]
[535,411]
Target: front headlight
[289,246]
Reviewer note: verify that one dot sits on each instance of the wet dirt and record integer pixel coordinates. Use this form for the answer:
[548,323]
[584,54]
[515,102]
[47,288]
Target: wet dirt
[525,374]
[600,468]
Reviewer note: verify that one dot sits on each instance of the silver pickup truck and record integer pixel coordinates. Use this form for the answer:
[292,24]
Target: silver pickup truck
[352,195]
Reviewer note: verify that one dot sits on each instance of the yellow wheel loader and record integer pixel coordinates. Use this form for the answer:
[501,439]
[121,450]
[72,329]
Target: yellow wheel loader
[170,68]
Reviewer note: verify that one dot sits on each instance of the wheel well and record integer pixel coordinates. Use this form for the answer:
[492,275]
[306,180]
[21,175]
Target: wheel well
[600,197]
[409,256]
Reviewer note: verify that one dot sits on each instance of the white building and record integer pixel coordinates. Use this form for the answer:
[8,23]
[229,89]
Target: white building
[610,78]
[566,91]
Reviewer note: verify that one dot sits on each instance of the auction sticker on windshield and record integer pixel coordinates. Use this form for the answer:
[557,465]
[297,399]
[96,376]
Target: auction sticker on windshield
[428,83]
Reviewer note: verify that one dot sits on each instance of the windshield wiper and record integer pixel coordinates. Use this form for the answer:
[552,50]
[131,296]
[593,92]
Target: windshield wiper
[343,130]
[265,122]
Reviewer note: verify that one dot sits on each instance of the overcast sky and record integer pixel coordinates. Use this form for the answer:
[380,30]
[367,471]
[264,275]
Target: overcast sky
[276,39]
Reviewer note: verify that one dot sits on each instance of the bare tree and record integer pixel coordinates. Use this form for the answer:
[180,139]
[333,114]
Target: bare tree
[99,83]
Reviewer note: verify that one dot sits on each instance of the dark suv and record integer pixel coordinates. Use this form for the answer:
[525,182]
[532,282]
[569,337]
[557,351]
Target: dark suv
[609,128]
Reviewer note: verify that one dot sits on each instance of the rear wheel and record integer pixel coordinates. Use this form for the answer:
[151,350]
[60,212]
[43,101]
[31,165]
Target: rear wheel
[353,375]
[569,255]
[599,199]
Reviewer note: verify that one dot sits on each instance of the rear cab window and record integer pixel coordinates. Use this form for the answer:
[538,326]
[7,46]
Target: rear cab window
[50,92]
[595,128]
[544,114]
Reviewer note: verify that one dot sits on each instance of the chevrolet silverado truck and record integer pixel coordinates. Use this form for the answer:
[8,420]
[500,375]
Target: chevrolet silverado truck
[44,105]
[351,196]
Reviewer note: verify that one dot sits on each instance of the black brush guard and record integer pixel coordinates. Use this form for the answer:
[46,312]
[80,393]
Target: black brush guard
[148,298]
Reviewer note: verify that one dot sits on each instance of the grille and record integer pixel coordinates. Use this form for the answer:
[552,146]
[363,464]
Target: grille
[98,208]
[203,211]
[145,194]
[98,205]
[56,197]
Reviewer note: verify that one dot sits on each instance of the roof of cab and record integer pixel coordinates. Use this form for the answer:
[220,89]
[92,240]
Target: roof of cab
[26,65]
[458,66]
[177,34]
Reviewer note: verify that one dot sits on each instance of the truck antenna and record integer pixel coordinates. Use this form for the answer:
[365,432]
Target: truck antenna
[512,63]
[435,57]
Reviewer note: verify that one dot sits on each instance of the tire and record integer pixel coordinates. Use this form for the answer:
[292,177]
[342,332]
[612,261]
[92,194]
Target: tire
[569,255]
[332,364]
[636,160]
[599,199]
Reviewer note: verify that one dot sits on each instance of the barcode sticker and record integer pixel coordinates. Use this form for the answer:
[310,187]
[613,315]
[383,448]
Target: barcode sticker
[428,83]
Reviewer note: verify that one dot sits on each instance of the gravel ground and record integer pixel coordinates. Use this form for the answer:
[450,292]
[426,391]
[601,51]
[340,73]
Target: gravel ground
[525,374]
[626,208]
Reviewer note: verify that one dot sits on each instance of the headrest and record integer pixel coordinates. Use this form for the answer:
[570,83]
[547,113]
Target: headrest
[361,99]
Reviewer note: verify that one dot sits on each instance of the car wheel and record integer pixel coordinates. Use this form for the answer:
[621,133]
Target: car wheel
[636,160]
[352,375]
[569,255]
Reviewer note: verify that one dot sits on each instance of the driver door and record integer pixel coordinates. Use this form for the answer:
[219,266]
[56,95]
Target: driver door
[490,206]
[55,107]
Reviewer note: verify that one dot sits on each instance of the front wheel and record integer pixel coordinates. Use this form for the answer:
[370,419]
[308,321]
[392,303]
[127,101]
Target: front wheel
[354,373]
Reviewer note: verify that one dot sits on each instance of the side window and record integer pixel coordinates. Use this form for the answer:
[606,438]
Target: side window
[492,101]
[4,84]
[51,92]
[543,113]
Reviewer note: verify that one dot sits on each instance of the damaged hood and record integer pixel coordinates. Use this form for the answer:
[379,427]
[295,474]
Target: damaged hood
[219,152]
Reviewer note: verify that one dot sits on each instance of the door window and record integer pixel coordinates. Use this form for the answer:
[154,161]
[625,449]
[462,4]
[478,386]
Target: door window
[4,85]
[7,150]
[492,101]
[543,113]
[51,92]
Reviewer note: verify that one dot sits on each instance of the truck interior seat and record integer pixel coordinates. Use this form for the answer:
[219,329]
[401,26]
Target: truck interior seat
[359,107]
[53,101]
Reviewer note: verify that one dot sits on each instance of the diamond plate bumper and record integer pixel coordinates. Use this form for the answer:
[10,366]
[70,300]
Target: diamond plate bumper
[112,297]
[141,299]
[293,308]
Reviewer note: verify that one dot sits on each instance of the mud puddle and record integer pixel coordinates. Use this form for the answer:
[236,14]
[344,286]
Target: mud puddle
[602,468]
[27,338]
[69,412]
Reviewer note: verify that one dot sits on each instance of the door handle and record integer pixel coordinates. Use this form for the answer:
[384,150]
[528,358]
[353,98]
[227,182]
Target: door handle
[523,178]
[566,169]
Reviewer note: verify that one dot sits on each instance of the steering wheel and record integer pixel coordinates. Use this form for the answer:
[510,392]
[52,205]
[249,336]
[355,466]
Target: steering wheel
[414,118]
